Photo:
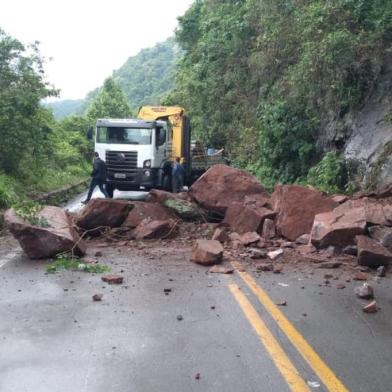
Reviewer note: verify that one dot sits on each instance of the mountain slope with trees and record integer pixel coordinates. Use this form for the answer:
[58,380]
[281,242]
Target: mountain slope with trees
[145,79]
[271,80]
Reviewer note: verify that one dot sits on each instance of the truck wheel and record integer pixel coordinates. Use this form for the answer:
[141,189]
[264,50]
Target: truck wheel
[110,190]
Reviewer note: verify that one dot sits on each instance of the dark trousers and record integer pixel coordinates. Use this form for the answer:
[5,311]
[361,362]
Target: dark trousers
[94,182]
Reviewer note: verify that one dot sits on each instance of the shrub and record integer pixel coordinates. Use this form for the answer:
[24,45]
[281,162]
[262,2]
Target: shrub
[329,175]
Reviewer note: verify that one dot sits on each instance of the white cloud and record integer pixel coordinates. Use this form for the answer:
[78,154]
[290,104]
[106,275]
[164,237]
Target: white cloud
[88,39]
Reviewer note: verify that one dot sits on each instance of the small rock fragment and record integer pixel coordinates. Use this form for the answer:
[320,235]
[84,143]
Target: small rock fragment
[98,254]
[350,250]
[197,377]
[275,254]
[381,271]
[257,253]
[217,269]
[329,264]
[340,286]
[207,252]
[365,291]
[112,279]
[249,238]
[360,276]
[264,267]
[97,297]
[269,229]
[281,303]
[277,269]
[179,317]
[304,239]
[370,307]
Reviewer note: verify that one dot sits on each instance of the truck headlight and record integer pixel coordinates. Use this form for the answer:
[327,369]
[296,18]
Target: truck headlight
[147,163]
[147,173]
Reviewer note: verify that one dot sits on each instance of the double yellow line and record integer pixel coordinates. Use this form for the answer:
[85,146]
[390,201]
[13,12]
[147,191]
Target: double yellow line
[282,362]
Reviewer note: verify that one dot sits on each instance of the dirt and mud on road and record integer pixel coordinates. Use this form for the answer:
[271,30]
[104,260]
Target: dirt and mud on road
[207,290]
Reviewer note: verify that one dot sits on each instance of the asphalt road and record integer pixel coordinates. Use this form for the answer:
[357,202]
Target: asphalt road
[232,336]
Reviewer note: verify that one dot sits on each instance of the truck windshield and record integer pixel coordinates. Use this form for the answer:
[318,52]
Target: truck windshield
[121,135]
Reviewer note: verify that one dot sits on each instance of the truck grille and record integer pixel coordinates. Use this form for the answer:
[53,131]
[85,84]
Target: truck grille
[121,162]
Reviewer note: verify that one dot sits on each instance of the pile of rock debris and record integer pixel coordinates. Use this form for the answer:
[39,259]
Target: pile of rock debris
[247,222]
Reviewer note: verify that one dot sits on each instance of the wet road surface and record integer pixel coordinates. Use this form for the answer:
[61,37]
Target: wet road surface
[232,336]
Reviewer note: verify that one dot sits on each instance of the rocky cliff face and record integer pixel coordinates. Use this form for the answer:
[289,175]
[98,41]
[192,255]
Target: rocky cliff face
[365,135]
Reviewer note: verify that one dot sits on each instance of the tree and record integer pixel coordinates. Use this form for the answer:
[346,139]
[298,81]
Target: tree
[24,124]
[110,102]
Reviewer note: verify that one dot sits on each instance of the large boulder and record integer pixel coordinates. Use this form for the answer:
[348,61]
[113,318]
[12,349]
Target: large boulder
[207,252]
[150,211]
[56,235]
[374,211]
[296,207]
[154,229]
[101,213]
[338,227]
[222,185]
[244,218]
[371,253]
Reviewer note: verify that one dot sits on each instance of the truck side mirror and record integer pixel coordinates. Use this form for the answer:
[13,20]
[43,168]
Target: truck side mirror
[90,134]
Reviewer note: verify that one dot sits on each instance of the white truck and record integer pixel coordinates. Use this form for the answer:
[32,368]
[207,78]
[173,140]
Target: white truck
[139,152]
[135,152]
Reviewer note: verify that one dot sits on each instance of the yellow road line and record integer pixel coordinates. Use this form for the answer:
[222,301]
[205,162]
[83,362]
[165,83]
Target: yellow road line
[326,375]
[282,362]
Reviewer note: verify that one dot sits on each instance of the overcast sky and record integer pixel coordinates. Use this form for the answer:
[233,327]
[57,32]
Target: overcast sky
[88,39]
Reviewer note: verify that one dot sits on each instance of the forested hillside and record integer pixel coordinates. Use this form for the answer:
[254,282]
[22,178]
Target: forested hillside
[274,81]
[145,79]
[66,107]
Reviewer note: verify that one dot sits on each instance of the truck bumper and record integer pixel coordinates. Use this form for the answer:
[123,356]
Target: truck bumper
[146,178]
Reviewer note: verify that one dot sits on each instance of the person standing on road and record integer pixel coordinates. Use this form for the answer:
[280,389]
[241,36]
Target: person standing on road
[178,174]
[98,178]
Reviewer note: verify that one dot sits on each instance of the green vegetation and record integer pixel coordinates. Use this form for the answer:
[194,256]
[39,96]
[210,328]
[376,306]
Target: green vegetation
[329,175]
[66,107]
[260,77]
[110,101]
[147,77]
[62,263]
[38,153]
[29,211]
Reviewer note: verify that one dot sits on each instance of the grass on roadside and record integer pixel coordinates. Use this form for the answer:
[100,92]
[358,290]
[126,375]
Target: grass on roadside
[67,263]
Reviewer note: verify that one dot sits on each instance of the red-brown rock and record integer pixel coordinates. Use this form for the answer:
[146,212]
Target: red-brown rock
[249,238]
[222,185]
[154,229]
[296,207]
[371,253]
[371,307]
[207,252]
[269,229]
[44,242]
[159,196]
[112,279]
[373,210]
[150,211]
[246,218]
[339,198]
[101,213]
[338,227]
[218,269]
[221,234]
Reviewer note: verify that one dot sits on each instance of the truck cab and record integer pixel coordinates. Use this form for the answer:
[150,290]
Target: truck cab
[135,152]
